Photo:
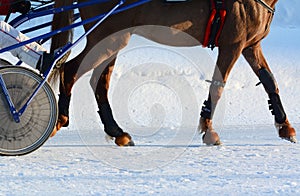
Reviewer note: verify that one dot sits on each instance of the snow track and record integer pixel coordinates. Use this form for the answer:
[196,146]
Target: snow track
[252,161]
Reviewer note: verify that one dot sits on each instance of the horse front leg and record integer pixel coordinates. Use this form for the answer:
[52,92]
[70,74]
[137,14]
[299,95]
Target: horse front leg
[255,58]
[63,111]
[226,59]
[210,136]
[100,86]
[68,76]
[67,81]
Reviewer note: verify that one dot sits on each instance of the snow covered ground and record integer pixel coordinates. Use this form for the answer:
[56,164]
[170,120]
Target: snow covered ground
[252,162]
[169,157]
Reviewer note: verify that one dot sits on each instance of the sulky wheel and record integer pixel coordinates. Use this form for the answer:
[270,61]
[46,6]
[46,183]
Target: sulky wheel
[38,120]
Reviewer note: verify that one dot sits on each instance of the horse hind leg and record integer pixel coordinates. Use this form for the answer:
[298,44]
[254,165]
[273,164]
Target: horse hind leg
[255,58]
[111,127]
[285,130]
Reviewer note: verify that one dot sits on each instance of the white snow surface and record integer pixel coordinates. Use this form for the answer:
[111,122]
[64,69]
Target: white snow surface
[157,98]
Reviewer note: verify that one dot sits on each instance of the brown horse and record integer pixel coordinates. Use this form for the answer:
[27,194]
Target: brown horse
[247,23]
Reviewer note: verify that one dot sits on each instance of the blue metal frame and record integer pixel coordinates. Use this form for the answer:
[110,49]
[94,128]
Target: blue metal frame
[11,105]
[96,18]
[47,10]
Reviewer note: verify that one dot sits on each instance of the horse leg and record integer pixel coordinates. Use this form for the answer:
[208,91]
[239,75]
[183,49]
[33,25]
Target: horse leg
[257,61]
[90,58]
[226,59]
[100,86]
[63,109]
[68,76]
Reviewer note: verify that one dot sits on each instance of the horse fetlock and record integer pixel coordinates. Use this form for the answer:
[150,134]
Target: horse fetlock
[62,121]
[64,103]
[286,131]
[205,125]
[110,125]
[210,137]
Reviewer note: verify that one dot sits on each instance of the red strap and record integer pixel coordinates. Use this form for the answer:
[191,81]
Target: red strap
[208,28]
[222,13]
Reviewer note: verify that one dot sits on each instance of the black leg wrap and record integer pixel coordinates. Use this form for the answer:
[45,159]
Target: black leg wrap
[63,105]
[268,81]
[276,108]
[270,85]
[206,111]
[110,125]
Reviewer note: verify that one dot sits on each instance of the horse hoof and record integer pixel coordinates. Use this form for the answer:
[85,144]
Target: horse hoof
[211,138]
[291,139]
[287,132]
[124,140]
[54,132]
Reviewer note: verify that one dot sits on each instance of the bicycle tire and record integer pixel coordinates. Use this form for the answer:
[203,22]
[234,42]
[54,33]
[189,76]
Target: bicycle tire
[38,120]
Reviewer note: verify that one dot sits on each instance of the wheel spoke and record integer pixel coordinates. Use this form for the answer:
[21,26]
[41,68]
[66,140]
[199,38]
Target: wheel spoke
[38,120]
